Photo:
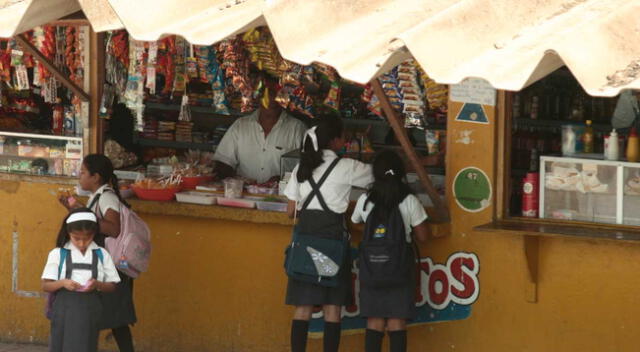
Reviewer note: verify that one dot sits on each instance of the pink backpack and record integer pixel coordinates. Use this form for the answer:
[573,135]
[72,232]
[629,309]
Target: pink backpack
[131,250]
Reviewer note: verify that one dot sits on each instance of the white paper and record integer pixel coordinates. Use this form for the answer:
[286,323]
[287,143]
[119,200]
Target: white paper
[473,90]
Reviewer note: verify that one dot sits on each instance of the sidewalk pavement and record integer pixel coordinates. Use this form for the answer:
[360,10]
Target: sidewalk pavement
[9,347]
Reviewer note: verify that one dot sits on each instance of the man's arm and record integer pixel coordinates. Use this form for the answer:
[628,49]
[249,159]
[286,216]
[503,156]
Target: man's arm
[223,170]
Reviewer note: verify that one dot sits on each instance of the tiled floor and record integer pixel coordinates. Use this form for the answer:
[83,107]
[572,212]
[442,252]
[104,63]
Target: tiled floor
[7,347]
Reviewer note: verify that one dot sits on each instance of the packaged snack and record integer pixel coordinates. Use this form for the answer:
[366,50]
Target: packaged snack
[433,141]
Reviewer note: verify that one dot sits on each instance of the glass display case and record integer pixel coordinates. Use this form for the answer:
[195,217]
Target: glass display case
[37,154]
[590,190]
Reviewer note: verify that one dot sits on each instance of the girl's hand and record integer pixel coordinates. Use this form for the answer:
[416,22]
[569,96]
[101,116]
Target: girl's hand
[70,202]
[90,286]
[70,284]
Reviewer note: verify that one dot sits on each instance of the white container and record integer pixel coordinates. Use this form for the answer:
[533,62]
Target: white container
[569,141]
[272,206]
[612,146]
[196,198]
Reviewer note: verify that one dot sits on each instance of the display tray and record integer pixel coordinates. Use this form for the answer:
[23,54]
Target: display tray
[196,198]
[272,206]
[237,202]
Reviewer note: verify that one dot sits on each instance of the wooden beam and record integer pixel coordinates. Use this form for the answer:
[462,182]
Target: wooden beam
[31,49]
[531,250]
[503,155]
[441,211]
[96,82]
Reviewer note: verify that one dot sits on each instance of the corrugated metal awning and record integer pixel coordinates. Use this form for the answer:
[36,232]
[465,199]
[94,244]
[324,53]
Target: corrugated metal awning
[509,43]
[199,21]
[17,16]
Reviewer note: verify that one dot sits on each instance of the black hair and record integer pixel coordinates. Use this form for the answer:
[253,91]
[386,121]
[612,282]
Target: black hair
[101,165]
[389,188]
[328,128]
[83,225]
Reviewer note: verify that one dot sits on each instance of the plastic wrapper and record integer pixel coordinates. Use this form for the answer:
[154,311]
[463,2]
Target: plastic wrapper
[433,141]
[235,64]
[437,95]
[180,78]
[263,51]
[333,97]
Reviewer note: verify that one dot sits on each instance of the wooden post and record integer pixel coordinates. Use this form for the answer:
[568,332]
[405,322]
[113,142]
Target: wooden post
[31,49]
[441,210]
[531,250]
[96,82]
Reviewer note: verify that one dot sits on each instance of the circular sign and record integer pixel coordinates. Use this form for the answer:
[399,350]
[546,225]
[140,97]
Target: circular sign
[472,189]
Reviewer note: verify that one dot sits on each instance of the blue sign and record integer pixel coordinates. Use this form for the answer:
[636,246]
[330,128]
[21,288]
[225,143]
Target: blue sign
[473,113]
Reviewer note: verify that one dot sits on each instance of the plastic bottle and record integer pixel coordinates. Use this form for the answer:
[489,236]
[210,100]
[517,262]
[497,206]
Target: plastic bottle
[612,151]
[588,137]
[632,146]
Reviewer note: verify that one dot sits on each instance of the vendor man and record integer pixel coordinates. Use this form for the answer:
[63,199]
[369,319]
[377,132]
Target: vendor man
[627,112]
[253,145]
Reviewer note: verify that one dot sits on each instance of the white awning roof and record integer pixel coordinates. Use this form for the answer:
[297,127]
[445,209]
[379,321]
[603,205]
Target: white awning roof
[17,16]
[509,43]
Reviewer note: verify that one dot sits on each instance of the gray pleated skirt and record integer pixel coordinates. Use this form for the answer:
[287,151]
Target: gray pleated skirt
[74,322]
[390,302]
[118,306]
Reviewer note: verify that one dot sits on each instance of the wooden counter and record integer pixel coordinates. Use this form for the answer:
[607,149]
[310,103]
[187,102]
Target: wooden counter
[578,230]
[209,212]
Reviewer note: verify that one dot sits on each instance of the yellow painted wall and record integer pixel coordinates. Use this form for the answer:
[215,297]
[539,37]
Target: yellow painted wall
[219,285]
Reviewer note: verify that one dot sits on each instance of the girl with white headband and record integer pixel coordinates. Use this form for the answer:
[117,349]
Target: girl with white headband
[392,215]
[319,192]
[74,274]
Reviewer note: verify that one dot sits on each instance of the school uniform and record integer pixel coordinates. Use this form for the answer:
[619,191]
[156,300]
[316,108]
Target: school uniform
[75,315]
[119,308]
[322,214]
[245,148]
[395,302]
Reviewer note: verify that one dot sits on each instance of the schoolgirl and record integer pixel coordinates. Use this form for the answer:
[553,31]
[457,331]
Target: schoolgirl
[75,272]
[319,192]
[96,176]
[390,307]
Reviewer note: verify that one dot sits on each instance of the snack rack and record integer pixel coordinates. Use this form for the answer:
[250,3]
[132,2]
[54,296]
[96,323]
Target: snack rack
[39,154]
[590,190]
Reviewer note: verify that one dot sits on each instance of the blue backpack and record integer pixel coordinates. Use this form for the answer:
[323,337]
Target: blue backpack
[64,254]
[385,258]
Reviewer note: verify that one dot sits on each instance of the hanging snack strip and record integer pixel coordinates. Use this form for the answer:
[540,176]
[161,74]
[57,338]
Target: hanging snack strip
[263,51]
[437,94]
[180,80]
[165,62]
[411,93]
[134,94]
[235,63]
[292,94]
[373,103]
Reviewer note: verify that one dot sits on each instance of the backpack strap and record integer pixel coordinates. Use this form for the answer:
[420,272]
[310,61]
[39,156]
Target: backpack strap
[315,188]
[96,200]
[68,264]
[63,256]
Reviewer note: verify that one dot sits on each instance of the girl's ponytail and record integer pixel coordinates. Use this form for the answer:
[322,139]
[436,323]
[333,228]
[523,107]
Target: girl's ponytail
[315,140]
[389,188]
[116,189]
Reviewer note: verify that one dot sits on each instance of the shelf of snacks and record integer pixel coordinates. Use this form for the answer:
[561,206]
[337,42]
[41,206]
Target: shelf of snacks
[36,154]
[175,144]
